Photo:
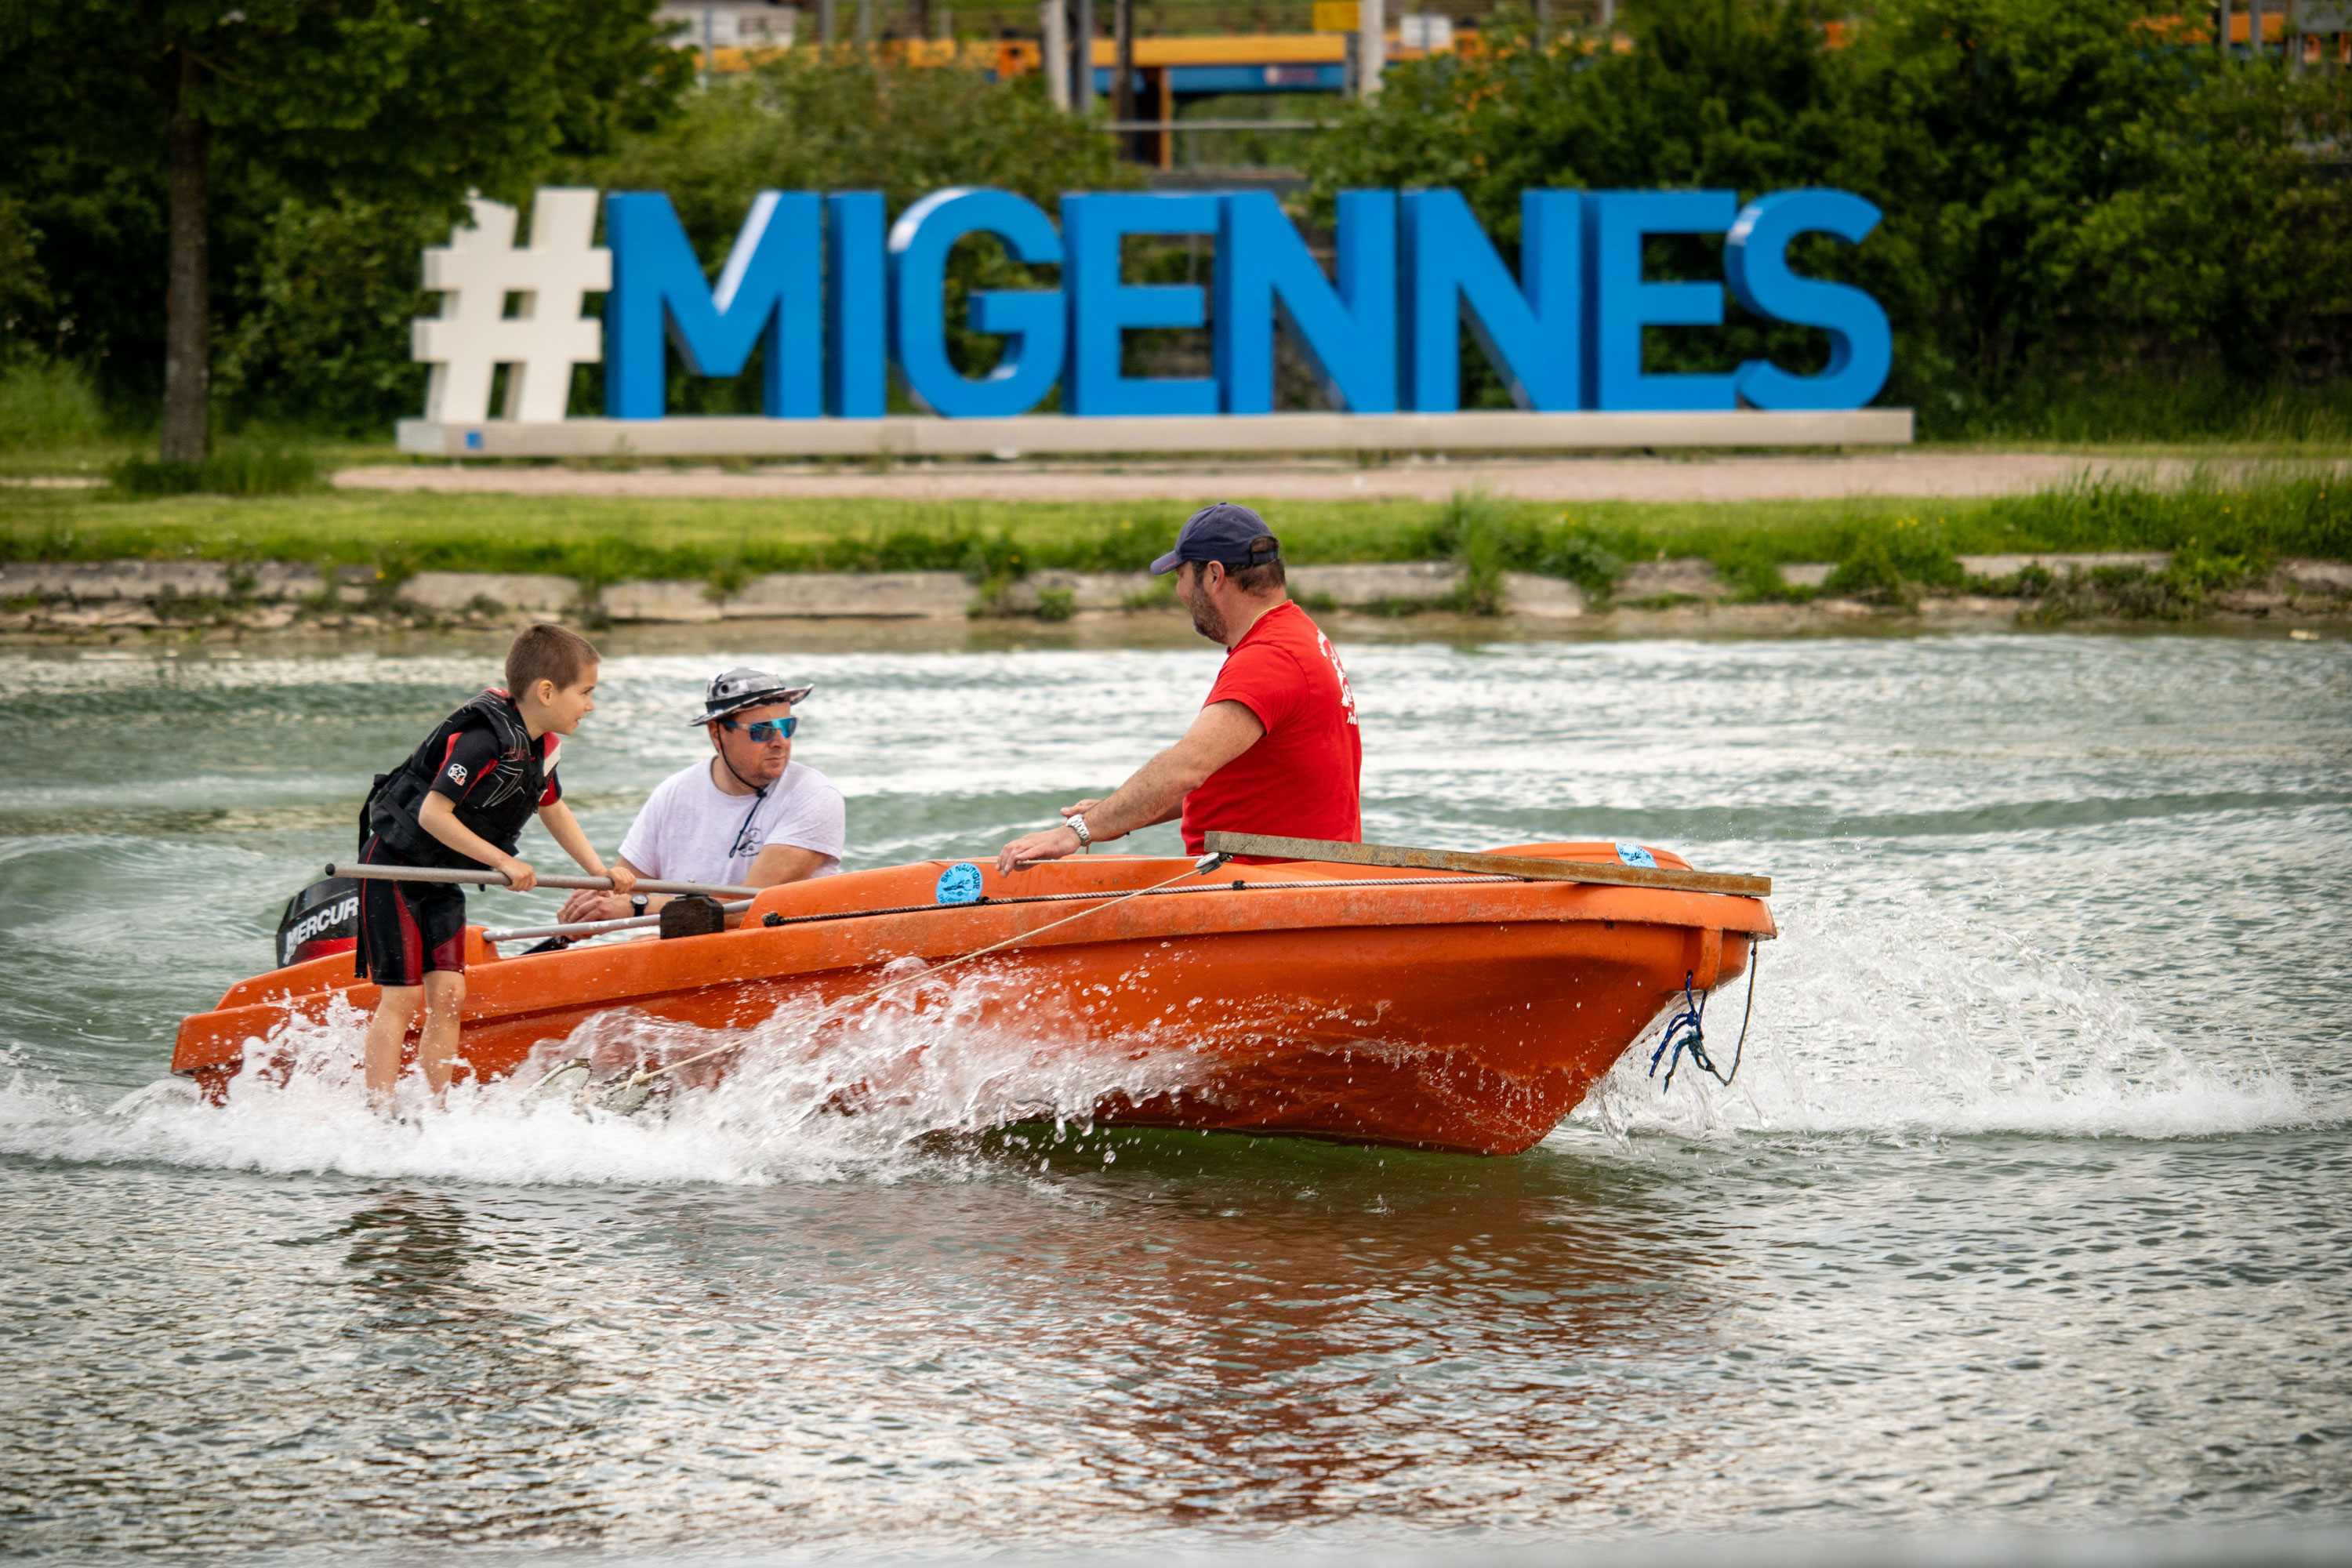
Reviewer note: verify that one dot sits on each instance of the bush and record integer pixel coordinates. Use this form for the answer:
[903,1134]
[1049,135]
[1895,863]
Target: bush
[323,343]
[48,405]
[2086,217]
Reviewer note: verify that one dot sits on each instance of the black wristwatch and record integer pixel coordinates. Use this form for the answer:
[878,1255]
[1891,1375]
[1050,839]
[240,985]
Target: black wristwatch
[638,903]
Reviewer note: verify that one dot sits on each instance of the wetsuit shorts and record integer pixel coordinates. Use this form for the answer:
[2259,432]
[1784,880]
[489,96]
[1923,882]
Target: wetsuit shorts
[408,928]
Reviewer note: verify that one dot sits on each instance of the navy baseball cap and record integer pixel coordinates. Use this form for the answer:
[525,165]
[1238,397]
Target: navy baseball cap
[1220,532]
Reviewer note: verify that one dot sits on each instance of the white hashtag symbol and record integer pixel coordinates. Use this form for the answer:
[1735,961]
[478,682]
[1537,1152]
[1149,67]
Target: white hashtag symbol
[539,345]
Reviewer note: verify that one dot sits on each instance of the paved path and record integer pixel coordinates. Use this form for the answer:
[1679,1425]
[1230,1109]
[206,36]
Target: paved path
[1729,479]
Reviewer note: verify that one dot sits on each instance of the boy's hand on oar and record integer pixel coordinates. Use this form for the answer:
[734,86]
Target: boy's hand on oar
[624,881]
[519,874]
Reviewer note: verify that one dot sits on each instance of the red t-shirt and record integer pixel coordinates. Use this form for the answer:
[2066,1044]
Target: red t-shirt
[1302,777]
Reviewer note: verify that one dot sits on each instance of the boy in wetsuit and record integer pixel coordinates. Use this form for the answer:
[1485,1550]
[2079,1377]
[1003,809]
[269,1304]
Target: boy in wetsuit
[460,801]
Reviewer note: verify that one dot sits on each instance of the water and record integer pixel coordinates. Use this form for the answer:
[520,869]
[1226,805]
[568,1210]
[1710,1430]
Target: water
[2030,1208]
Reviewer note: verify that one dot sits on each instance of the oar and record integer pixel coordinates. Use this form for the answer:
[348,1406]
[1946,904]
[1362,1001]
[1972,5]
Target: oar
[498,879]
[1528,866]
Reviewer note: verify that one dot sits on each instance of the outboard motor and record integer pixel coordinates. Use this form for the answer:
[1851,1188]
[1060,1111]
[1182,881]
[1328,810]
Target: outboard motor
[323,917]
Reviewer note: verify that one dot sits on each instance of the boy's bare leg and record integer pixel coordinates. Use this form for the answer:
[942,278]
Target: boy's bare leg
[386,1032]
[445,995]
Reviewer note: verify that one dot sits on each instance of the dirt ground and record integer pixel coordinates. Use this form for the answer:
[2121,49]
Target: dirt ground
[1699,478]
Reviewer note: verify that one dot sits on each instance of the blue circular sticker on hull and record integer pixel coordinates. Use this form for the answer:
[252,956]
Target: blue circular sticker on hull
[959,884]
[1634,855]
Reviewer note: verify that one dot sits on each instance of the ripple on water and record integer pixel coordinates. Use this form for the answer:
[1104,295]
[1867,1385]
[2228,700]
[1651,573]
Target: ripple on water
[2028,1209]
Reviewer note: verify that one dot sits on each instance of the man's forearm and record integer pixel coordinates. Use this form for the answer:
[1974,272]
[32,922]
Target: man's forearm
[1156,794]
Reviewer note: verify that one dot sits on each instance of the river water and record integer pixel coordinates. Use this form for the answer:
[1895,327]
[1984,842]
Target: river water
[2031,1207]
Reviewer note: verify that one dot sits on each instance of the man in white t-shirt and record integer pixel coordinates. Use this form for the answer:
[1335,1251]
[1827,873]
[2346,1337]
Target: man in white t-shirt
[749,818]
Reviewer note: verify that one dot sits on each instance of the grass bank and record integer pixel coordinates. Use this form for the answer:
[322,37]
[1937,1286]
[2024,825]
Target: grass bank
[1880,545]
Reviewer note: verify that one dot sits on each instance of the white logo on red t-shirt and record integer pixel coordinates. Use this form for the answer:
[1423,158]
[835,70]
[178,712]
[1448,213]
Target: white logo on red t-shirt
[1346,693]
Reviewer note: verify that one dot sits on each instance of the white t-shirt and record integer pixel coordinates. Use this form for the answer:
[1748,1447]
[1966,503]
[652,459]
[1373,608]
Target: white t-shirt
[690,830]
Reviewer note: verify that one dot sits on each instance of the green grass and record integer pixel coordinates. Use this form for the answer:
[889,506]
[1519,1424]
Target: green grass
[1880,544]
[241,470]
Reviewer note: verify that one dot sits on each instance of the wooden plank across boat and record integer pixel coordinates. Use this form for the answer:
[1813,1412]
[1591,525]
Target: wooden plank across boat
[1433,1005]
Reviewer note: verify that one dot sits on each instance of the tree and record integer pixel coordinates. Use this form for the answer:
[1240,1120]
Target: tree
[2073,190]
[132,120]
[853,122]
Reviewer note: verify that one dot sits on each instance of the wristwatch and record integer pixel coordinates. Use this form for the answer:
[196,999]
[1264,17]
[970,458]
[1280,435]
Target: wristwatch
[638,903]
[1077,821]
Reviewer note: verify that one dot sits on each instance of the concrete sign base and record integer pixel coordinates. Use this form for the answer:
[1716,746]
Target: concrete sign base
[923,437]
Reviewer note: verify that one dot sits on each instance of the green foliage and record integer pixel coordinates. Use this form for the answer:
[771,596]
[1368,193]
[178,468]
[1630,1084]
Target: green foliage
[2083,211]
[1577,553]
[24,292]
[2139,403]
[48,405]
[1891,562]
[312,107]
[2226,523]
[1478,531]
[235,471]
[2246,517]
[323,341]
[800,122]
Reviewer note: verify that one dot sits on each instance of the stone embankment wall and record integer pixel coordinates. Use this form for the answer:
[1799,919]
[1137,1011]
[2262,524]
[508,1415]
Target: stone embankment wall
[146,594]
[112,596]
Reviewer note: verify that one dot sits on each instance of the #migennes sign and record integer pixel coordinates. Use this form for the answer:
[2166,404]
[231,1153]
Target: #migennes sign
[839,301]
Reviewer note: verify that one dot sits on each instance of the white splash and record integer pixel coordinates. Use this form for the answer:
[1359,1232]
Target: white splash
[849,1099]
[1902,1021]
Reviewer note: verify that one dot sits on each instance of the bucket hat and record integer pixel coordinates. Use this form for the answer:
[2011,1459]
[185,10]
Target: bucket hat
[743,687]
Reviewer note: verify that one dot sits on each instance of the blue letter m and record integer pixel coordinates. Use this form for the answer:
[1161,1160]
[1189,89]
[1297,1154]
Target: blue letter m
[769,291]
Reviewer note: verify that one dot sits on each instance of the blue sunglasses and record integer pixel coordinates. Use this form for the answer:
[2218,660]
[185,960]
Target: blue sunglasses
[766,730]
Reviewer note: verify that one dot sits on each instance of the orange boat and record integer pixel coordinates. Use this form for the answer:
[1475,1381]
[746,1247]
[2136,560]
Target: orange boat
[1367,1005]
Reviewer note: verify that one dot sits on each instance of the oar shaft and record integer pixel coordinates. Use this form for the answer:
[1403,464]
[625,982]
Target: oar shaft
[1535,869]
[498,880]
[594,928]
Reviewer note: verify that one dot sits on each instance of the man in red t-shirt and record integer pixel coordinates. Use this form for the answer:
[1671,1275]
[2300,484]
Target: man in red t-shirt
[1275,748]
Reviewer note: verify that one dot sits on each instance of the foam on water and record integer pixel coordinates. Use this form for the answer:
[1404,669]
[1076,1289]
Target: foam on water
[1898,1022]
[851,1100]
[1902,1021]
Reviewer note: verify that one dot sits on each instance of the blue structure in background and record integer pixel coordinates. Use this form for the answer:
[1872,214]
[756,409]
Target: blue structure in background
[1756,264]
[1347,333]
[1621,304]
[1450,275]
[1102,307]
[857,351]
[772,290]
[1030,319]
[835,305]
[1220,82]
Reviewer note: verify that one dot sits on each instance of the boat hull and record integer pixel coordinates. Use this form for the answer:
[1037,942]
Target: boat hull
[1470,1015]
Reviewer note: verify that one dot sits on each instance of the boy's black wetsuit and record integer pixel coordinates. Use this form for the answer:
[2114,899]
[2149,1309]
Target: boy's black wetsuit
[483,760]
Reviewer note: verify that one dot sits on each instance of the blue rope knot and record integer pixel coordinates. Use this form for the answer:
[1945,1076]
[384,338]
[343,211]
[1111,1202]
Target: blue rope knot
[1687,1031]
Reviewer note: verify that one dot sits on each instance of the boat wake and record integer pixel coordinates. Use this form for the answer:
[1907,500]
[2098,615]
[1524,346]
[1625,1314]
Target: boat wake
[863,1098]
[1897,1024]
[1907,1023]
